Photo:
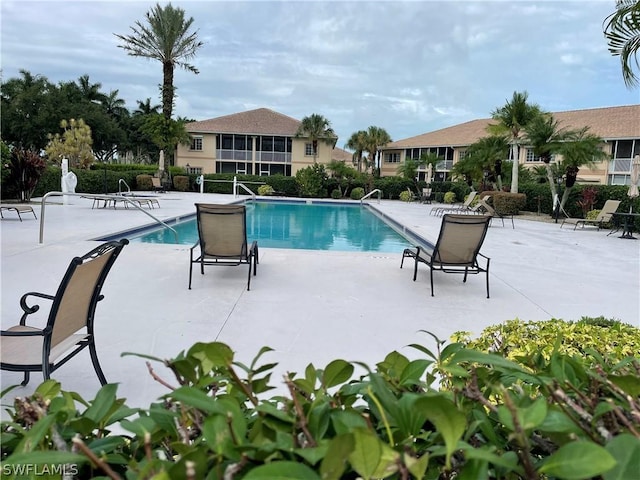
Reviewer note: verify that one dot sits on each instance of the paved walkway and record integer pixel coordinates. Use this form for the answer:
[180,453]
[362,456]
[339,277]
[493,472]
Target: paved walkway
[309,306]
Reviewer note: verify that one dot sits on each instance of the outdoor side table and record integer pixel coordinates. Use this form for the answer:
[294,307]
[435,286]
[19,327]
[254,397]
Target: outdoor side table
[628,220]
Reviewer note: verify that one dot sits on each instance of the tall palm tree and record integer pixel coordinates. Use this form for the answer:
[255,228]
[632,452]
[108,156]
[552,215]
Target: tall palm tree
[512,118]
[145,108]
[622,31]
[90,91]
[545,137]
[357,143]
[315,127]
[166,38]
[581,149]
[376,137]
[114,105]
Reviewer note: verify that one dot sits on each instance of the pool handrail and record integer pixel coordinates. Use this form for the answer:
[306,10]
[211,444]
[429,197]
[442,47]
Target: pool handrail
[120,182]
[375,190]
[43,202]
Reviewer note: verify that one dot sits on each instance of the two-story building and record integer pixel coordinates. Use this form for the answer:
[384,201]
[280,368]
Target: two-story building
[256,142]
[619,127]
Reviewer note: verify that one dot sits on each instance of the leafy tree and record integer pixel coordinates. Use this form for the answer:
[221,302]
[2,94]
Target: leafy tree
[343,173]
[165,37]
[165,133]
[27,113]
[622,31]
[74,144]
[512,118]
[145,108]
[487,155]
[311,180]
[317,128]
[114,106]
[90,91]
[376,138]
[357,143]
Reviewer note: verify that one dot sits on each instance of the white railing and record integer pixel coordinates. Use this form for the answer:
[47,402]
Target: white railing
[120,182]
[375,190]
[99,197]
[200,181]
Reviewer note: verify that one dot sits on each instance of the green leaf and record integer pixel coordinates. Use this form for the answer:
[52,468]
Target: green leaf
[334,462]
[211,355]
[282,471]
[337,372]
[414,371]
[48,389]
[344,421]
[103,403]
[485,358]
[37,432]
[577,461]
[625,449]
[367,453]
[417,466]
[629,383]
[408,418]
[448,420]
[193,397]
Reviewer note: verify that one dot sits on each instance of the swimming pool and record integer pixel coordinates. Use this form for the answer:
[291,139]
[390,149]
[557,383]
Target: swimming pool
[301,225]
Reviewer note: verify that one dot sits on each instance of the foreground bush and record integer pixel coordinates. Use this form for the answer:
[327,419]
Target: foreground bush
[571,417]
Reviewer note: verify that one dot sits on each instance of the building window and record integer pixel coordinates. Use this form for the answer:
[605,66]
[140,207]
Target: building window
[308,150]
[392,157]
[196,143]
[193,170]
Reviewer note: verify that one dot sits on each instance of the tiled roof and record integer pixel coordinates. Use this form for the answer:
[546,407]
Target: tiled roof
[261,121]
[341,155]
[608,123]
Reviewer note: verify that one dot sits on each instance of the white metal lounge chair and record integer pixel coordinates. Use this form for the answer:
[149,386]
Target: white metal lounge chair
[456,208]
[18,209]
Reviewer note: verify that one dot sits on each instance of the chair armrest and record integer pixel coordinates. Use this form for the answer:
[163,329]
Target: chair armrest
[33,309]
[11,333]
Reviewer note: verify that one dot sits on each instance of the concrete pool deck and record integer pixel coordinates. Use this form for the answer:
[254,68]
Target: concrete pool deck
[309,306]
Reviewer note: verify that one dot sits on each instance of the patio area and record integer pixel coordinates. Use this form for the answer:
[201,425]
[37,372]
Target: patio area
[309,306]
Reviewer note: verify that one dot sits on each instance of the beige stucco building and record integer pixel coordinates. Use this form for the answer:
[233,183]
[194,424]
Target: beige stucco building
[618,126]
[256,142]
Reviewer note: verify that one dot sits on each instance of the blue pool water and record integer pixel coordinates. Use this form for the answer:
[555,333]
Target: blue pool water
[312,226]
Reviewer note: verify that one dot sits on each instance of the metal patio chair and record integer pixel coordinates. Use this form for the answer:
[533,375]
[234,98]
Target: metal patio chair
[457,249]
[70,323]
[222,238]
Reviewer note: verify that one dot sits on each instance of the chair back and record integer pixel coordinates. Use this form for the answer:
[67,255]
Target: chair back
[155,181]
[608,209]
[488,208]
[222,230]
[470,198]
[460,239]
[75,301]
[426,192]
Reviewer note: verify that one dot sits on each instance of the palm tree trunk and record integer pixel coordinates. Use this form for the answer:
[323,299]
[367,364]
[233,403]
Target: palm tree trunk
[167,89]
[514,169]
[551,180]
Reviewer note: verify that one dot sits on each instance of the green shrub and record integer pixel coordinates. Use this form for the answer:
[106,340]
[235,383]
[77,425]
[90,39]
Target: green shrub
[357,193]
[144,182]
[567,417]
[265,190]
[311,181]
[509,203]
[449,197]
[406,196]
[336,194]
[181,183]
[526,341]
[593,214]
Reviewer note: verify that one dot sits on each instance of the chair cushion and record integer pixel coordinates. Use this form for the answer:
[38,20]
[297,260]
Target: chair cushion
[28,350]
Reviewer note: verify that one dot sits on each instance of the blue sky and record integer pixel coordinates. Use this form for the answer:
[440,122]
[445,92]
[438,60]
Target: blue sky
[408,67]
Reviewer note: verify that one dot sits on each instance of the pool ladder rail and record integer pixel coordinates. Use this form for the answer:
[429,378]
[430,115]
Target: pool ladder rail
[118,196]
[375,190]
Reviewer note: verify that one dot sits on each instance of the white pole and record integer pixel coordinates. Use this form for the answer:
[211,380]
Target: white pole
[201,178]
[235,186]
[63,180]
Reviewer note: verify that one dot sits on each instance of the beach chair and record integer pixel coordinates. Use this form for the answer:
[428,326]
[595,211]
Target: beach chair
[492,212]
[456,208]
[222,239]
[457,249]
[19,209]
[157,184]
[605,215]
[70,323]
[426,195]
